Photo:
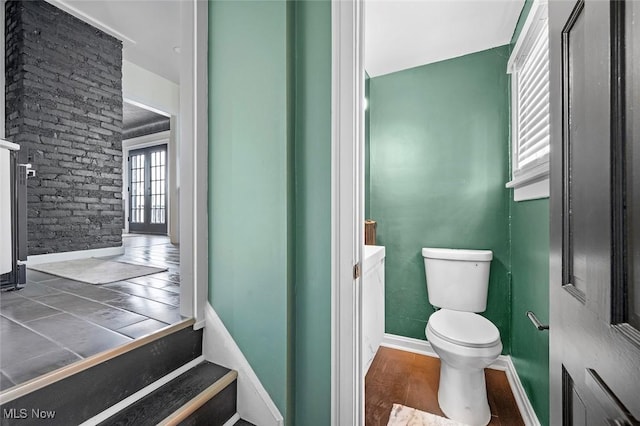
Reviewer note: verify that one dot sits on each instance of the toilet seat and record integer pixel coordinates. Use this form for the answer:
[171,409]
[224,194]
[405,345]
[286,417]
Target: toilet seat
[464,328]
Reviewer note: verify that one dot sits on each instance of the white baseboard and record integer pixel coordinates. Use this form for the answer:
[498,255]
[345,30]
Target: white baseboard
[526,410]
[503,363]
[38,259]
[254,403]
[233,420]
[408,344]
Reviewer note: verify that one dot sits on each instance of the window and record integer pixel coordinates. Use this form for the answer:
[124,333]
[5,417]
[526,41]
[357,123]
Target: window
[529,69]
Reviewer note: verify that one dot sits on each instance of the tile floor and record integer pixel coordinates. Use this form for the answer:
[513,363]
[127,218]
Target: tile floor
[53,322]
[412,380]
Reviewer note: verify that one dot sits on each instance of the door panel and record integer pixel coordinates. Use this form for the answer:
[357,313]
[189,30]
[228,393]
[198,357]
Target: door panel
[594,352]
[148,190]
[632,39]
[586,132]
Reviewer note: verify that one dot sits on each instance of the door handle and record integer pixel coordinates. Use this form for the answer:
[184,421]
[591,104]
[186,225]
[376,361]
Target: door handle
[536,322]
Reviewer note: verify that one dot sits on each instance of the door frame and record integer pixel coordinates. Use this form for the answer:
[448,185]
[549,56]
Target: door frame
[555,210]
[145,151]
[193,130]
[347,210]
[133,144]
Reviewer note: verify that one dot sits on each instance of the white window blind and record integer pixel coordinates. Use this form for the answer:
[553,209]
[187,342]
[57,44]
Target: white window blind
[529,69]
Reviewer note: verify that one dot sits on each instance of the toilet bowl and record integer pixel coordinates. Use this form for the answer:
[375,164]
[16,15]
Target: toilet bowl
[466,343]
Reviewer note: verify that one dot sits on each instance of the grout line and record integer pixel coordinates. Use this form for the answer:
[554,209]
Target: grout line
[39,355]
[44,317]
[85,319]
[59,344]
[53,277]
[104,302]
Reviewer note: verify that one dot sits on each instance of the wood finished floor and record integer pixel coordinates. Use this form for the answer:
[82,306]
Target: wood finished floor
[399,377]
[53,321]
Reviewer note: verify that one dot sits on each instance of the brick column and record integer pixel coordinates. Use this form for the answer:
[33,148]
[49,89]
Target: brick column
[64,108]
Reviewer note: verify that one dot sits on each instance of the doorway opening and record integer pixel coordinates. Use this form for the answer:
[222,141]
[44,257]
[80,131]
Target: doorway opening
[148,171]
[148,190]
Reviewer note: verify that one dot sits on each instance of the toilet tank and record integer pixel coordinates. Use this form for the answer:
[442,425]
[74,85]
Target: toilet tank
[457,279]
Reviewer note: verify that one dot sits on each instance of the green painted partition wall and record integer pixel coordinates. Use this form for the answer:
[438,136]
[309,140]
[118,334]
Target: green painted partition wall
[270,194]
[249,193]
[439,160]
[313,212]
[530,289]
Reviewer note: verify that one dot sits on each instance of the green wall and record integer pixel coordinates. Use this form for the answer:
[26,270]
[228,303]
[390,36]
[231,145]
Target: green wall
[269,194]
[367,149]
[439,162]
[313,212]
[530,289]
[248,189]
[530,292]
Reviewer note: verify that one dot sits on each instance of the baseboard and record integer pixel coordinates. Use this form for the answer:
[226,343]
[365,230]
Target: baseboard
[503,363]
[526,410]
[408,344]
[254,403]
[38,259]
[233,420]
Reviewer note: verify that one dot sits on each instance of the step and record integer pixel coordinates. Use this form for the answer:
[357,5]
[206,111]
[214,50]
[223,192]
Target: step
[81,390]
[203,395]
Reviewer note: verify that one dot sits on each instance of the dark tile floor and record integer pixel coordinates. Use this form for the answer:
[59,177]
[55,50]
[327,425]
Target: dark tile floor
[53,321]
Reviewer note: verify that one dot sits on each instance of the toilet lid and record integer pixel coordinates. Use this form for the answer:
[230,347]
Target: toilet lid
[464,328]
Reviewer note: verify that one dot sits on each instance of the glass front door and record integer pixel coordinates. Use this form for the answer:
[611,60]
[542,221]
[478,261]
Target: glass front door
[148,190]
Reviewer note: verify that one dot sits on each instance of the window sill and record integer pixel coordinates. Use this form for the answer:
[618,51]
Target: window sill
[531,186]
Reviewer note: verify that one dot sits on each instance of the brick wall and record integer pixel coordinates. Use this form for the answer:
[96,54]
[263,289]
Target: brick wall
[64,108]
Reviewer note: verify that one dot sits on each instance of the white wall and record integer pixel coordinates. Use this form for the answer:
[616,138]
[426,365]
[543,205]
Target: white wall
[149,89]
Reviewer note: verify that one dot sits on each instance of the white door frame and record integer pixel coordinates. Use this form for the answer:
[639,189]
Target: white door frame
[347,213]
[139,142]
[193,131]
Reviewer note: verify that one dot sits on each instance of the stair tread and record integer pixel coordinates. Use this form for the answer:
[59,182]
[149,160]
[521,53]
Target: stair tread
[165,400]
[81,391]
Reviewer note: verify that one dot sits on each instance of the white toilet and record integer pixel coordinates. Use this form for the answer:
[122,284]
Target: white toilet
[457,282]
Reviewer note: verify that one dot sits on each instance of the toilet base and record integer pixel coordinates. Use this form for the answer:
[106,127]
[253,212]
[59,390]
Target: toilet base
[462,395]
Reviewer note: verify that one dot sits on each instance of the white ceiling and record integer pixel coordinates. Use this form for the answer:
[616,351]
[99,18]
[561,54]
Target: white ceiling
[399,34]
[149,29]
[402,34]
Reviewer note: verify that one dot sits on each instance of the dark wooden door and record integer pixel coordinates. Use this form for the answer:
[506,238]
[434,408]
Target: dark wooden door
[148,190]
[595,212]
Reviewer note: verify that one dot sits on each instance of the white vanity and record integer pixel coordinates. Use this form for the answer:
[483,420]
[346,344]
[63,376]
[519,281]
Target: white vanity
[372,303]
